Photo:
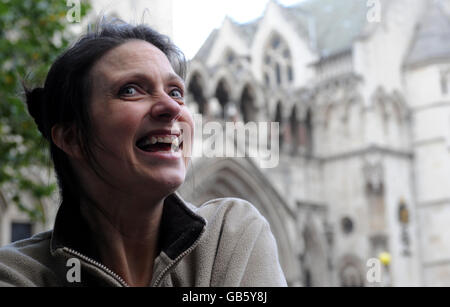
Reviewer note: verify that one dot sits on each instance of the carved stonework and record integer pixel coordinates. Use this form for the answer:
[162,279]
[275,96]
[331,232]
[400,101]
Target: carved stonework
[373,175]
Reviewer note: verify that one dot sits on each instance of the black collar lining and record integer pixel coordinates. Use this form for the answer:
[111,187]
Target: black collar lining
[180,228]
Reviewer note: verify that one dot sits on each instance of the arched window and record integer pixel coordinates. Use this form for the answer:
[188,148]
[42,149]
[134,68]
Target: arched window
[231,57]
[277,63]
[351,277]
[222,94]
[196,90]
[248,104]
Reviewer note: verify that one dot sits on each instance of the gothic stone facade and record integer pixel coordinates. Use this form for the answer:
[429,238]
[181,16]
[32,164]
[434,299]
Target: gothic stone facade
[362,95]
[364,110]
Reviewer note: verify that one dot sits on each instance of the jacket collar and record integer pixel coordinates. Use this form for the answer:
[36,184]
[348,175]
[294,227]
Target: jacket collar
[180,228]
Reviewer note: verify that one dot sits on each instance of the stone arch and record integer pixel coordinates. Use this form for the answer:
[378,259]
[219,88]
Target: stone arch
[379,101]
[196,87]
[350,271]
[223,95]
[314,257]
[380,107]
[350,103]
[353,119]
[224,74]
[233,177]
[248,105]
[401,108]
[199,68]
[328,111]
[247,79]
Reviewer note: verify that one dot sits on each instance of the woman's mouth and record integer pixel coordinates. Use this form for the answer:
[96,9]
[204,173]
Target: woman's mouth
[160,143]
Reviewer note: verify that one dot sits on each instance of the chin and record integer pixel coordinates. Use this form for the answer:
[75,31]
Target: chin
[171,181]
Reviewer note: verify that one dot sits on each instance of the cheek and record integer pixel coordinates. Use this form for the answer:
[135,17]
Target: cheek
[117,127]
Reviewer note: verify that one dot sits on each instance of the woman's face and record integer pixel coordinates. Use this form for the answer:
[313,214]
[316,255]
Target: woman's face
[139,118]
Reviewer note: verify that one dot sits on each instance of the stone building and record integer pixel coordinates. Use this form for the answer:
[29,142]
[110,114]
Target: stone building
[361,90]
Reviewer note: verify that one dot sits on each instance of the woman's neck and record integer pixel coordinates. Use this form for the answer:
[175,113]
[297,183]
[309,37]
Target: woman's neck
[125,235]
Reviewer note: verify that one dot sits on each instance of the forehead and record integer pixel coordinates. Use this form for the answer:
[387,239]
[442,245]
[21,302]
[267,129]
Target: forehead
[132,56]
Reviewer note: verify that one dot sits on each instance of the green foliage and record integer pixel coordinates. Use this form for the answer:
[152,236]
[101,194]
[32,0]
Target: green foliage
[32,34]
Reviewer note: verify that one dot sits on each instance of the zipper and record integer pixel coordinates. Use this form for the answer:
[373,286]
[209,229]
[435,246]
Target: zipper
[97,264]
[158,280]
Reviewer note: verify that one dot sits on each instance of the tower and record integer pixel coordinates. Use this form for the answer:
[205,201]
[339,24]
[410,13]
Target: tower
[427,81]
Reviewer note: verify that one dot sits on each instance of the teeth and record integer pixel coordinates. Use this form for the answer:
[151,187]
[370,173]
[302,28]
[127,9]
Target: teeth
[174,141]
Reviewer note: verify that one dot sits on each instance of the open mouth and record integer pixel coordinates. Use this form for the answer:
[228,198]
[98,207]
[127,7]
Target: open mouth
[167,143]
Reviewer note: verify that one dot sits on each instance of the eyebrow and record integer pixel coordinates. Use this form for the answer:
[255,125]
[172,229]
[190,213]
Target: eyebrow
[143,77]
[174,77]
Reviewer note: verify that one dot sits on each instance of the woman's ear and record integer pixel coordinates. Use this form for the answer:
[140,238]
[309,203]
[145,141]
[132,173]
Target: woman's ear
[66,139]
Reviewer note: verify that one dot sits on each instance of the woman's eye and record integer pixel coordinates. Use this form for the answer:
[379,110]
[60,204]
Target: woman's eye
[176,94]
[128,91]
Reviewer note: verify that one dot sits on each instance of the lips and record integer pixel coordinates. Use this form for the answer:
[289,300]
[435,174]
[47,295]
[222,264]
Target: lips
[160,142]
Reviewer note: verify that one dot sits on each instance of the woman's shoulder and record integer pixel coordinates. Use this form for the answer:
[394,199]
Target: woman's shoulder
[26,246]
[230,211]
[240,245]
[22,260]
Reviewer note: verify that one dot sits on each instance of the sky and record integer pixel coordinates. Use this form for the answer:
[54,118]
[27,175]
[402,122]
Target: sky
[194,20]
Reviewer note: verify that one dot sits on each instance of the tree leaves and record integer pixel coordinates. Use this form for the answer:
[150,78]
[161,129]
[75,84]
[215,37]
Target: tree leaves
[28,32]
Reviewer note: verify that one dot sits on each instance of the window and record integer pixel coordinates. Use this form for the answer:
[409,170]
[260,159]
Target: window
[278,73]
[195,88]
[222,94]
[267,79]
[290,74]
[277,62]
[230,57]
[347,225]
[20,231]
[276,42]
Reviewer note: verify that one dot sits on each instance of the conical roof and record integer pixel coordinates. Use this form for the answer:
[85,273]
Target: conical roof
[432,39]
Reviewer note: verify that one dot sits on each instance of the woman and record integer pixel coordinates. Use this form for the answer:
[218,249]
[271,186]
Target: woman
[114,113]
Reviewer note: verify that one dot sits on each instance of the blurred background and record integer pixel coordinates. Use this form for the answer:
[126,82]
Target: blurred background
[360,88]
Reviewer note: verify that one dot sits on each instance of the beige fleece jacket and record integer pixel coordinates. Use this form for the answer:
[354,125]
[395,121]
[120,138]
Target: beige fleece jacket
[225,242]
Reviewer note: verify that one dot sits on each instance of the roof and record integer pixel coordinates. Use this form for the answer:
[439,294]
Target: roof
[248,30]
[432,39]
[207,45]
[336,25]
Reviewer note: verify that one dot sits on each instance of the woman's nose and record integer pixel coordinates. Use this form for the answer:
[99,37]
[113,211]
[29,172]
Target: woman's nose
[165,109]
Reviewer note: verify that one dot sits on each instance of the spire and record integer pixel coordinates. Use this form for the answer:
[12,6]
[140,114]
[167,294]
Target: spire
[432,38]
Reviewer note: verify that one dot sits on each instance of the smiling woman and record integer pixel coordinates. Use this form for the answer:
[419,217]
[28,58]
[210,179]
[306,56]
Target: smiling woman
[113,111]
